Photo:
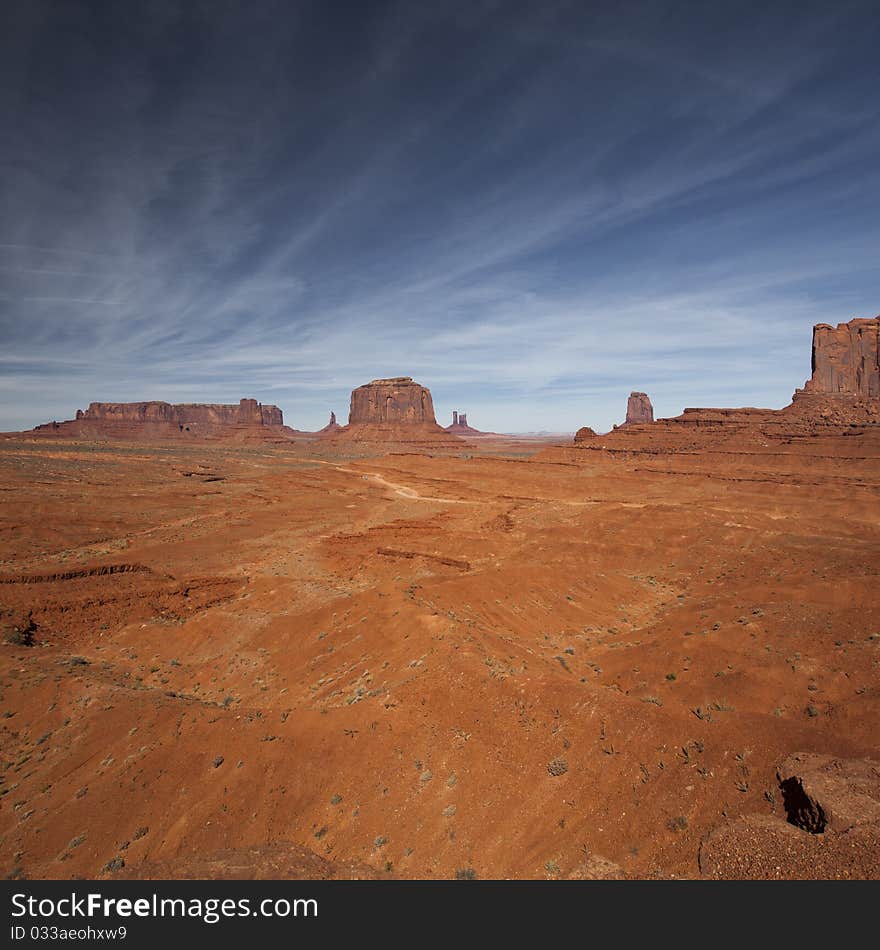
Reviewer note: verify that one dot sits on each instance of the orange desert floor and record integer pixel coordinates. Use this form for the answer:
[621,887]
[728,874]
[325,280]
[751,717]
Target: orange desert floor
[292,661]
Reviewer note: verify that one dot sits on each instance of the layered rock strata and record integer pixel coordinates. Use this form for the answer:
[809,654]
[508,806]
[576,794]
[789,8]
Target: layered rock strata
[396,409]
[156,419]
[639,410]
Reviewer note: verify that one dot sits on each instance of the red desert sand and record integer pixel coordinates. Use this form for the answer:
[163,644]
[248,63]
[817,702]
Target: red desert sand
[230,649]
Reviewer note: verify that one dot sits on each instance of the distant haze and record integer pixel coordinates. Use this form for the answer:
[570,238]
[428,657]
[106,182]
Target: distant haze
[530,208]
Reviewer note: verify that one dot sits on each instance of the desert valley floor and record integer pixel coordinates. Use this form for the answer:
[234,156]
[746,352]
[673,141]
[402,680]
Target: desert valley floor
[507,660]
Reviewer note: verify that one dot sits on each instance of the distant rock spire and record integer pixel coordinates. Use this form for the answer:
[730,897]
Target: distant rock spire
[639,409]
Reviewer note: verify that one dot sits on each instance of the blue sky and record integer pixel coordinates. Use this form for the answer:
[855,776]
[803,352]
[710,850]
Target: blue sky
[531,208]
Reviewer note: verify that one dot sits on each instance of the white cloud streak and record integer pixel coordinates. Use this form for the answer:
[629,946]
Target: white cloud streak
[526,247]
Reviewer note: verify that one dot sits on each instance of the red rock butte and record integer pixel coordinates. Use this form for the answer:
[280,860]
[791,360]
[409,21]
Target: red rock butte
[396,401]
[396,409]
[846,359]
[844,388]
[639,410]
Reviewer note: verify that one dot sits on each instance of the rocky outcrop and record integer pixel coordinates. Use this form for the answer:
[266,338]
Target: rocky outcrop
[156,419]
[394,401]
[396,409]
[845,386]
[584,434]
[844,389]
[822,793]
[829,825]
[247,412]
[332,426]
[846,359]
[638,410]
[460,425]
[843,392]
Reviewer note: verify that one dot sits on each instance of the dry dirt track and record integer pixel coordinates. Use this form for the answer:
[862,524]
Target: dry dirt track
[415,666]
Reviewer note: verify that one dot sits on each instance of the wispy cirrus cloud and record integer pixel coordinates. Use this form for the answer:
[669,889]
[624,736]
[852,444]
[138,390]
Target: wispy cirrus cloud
[530,208]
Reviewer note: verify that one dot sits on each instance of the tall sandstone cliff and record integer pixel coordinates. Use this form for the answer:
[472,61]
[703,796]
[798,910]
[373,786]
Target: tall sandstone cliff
[843,391]
[846,359]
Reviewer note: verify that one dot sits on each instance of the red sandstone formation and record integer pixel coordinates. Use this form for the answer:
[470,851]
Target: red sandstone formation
[395,410]
[845,386]
[638,410]
[844,391]
[846,359]
[154,419]
[584,434]
[247,412]
[460,426]
[332,426]
[395,401]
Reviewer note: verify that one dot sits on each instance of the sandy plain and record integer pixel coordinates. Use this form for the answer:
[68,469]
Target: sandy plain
[508,660]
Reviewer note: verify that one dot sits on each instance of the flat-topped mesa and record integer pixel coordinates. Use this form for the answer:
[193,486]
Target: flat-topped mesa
[639,410]
[846,359]
[248,412]
[157,419]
